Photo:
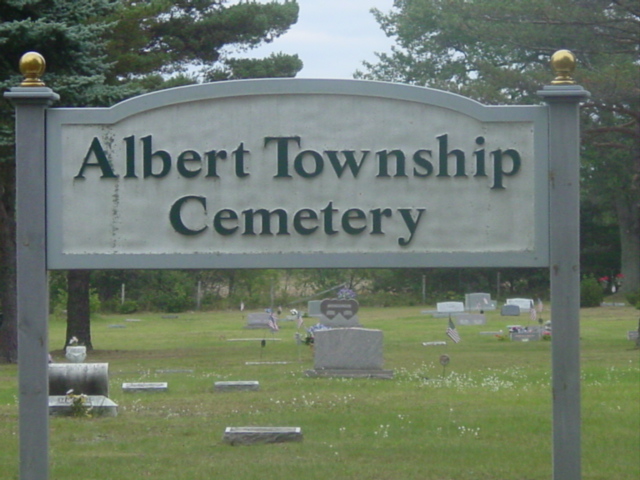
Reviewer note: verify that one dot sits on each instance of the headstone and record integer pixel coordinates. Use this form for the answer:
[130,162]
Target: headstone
[234,386]
[433,344]
[450,307]
[524,303]
[76,353]
[81,378]
[258,320]
[335,313]
[175,370]
[267,363]
[530,336]
[117,325]
[478,301]
[313,308]
[510,311]
[258,435]
[470,319]
[632,335]
[349,352]
[96,405]
[253,339]
[145,387]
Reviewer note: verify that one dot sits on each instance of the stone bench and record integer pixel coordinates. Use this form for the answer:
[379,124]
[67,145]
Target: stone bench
[258,435]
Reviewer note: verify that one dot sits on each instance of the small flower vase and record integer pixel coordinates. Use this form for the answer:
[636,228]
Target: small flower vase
[76,354]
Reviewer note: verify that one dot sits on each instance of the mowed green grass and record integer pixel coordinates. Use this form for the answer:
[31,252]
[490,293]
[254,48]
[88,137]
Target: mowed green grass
[486,416]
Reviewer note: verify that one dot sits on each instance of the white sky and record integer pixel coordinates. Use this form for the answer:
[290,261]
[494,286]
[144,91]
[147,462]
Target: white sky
[332,37]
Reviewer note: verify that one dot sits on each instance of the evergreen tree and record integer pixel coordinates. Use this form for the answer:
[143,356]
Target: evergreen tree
[99,52]
[498,51]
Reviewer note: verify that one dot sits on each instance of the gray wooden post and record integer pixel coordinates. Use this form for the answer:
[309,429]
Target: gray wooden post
[31,103]
[563,99]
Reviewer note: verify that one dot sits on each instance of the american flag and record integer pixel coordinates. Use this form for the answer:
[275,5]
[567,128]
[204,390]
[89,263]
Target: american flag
[452,332]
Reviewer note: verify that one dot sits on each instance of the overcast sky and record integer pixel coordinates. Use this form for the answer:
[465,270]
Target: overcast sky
[332,37]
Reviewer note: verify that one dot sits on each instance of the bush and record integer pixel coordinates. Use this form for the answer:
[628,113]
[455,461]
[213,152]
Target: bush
[634,299]
[591,293]
[129,306]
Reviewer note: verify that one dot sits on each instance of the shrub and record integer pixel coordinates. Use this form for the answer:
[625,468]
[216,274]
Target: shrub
[129,306]
[591,294]
[634,298]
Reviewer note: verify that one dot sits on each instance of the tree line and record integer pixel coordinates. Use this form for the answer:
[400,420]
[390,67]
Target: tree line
[100,52]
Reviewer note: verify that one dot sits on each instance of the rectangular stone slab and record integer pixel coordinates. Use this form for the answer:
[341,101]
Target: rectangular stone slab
[236,386]
[100,405]
[145,387]
[258,435]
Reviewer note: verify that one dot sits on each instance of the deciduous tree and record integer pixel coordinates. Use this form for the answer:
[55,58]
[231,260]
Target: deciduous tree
[498,51]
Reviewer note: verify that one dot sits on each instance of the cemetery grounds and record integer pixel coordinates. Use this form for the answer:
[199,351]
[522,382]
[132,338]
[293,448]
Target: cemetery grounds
[487,415]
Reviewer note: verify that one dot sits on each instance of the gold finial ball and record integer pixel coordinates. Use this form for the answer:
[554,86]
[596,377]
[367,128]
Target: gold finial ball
[563,63]
[32,66]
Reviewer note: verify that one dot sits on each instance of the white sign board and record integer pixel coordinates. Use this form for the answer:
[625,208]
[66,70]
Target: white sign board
[297,173]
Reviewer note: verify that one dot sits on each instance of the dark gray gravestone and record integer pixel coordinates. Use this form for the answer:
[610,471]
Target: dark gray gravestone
[258,320]
[510,311]
[258,435]
[82,378]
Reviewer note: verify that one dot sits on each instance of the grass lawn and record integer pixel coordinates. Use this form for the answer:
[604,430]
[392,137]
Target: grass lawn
[486,416]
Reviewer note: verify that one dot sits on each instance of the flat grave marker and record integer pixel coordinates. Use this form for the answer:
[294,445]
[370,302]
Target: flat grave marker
[145,387]
[234,386]
[261,435]
[470,319]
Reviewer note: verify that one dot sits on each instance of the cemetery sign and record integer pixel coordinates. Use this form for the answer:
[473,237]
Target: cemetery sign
[297,173]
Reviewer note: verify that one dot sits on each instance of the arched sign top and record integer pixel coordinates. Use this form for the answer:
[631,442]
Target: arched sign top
[297,173]
[299,86]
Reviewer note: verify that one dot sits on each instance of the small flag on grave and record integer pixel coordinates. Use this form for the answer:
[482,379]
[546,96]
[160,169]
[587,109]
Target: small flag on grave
[273,325]
[452,332]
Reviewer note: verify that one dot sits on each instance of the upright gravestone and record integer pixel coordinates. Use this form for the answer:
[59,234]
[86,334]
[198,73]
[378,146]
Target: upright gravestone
[258,320]
[525,304]
[510,311]
[81,378]
[349,352]
[478,301]
[445,309]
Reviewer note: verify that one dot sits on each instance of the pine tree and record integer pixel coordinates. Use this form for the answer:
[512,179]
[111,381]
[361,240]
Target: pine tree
[101,51]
